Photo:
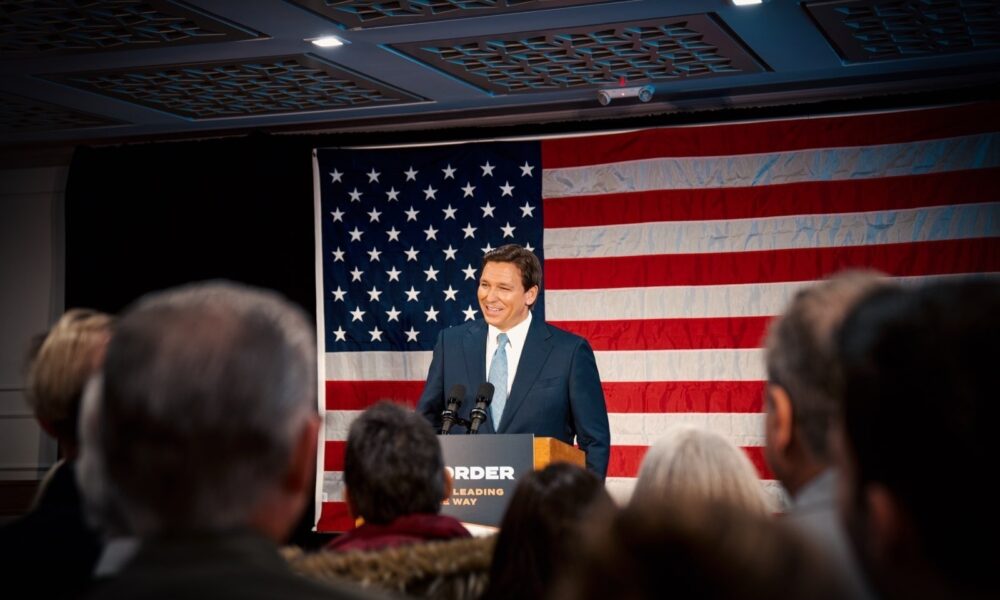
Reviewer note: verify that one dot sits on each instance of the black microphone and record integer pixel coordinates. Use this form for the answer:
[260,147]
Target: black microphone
[483,398]
[452,404]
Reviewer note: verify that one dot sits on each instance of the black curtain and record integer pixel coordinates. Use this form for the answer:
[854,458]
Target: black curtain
[141,218]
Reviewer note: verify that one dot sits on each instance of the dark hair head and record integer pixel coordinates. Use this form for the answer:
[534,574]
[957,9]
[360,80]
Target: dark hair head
[920,401]
[698,549]
[393,465]
[541,527]
[523,259]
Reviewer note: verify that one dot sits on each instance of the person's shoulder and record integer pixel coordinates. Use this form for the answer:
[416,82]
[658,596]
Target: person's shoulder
[457,331]
[250,581]
[561,336]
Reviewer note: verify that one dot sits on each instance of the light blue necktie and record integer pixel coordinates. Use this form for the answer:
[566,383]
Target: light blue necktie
[498,377]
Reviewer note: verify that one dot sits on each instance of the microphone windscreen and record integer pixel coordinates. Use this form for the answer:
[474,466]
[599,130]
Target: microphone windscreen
[457,391]
[485,391]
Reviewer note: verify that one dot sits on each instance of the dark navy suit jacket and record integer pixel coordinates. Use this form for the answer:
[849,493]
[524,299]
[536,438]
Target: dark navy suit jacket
[556,391]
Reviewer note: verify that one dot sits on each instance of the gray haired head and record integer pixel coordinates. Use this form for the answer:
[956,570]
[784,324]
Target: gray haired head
[800,354]
[204,390]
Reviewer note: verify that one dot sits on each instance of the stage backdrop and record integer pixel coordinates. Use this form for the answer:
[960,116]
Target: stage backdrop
[668,249]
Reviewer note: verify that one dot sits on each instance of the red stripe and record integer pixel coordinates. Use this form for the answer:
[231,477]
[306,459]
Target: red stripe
[333,455]
[359,395]
[768,266]
[773,136]
[334,516]
[625,461]
[684,396]
[671,334]
[756,455]
[804,198]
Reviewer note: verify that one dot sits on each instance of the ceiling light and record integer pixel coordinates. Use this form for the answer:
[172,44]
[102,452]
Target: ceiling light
[328,41]
[746,2]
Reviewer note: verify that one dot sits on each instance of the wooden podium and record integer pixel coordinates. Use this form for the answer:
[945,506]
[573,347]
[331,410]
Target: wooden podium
[549,450]
[485,470]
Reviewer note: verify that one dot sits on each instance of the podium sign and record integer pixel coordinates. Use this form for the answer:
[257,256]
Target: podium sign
[485,470]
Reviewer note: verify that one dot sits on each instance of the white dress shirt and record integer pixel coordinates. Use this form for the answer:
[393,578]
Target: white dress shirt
[516,337]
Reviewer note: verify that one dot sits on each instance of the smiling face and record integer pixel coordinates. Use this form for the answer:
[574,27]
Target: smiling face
[502,296]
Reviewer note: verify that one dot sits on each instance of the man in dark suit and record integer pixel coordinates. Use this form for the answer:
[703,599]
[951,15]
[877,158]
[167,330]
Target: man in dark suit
[545,379]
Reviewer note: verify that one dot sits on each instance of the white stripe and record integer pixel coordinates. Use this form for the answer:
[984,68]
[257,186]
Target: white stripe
[377,366]
[627,429]
[823,164]
[688,302]
[776,233]
[645,429]
[333,486]
[320,323]
[337,423]
[670,302]
[681,365]
[620,489]
[621,365]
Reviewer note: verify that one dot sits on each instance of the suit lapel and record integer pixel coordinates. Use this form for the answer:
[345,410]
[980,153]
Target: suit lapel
[474,349]
[536,351]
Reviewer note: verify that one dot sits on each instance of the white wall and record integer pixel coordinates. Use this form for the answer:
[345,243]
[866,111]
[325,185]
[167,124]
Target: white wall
[31,298]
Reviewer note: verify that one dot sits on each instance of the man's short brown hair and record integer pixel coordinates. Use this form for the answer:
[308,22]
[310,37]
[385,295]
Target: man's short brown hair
[524,259]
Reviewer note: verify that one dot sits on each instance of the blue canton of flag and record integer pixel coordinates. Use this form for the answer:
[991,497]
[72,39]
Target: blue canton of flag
[404,232]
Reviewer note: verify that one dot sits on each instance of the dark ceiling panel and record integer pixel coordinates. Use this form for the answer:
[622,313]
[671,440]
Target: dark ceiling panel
[362,14]
[31,27]
[281,84]
[167,69]
[26,114]
[605,54]
[872,30]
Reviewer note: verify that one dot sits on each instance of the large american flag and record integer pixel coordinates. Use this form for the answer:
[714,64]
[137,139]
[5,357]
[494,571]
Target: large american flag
[668,249]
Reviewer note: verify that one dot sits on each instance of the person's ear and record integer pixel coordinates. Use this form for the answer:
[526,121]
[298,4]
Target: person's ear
[48,428]
[531,295]
[886,527]
[301,472]
[780,420]
[449,485]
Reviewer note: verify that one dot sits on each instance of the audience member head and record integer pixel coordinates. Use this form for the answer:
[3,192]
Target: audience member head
[801,397]
[393,465]
[205,418]
[60,367]
[919,421]
[696,549]
[541,528]
[693,463]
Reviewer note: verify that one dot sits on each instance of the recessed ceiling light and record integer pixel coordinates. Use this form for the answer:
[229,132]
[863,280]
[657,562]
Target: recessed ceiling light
[328,41]
[747,2]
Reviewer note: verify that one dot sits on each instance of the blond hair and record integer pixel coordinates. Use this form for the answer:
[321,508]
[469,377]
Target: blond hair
[71,352]
[694,464]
